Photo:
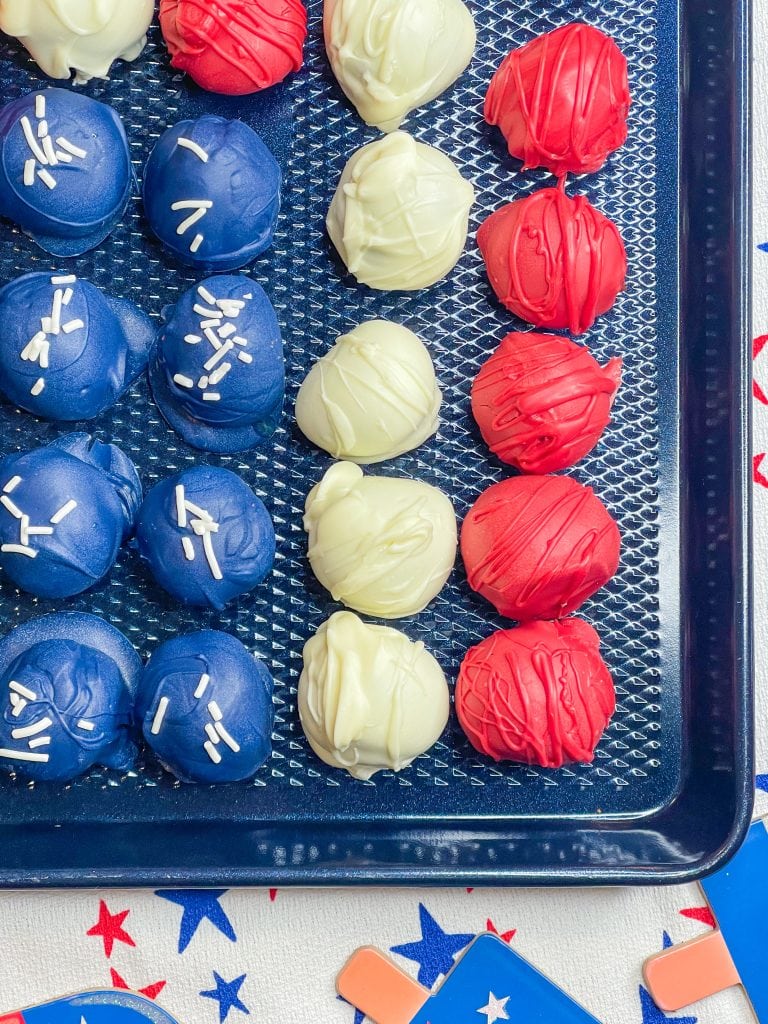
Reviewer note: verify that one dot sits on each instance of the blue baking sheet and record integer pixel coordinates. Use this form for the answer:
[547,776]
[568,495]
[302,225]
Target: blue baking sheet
[453,815]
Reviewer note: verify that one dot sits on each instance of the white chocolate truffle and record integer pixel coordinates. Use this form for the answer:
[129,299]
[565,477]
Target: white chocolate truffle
[370,698]
[391,56]
[382,545]
[84,36]
[372,397]
[400,215]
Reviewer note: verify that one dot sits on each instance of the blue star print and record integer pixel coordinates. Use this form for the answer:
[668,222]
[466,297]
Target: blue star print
[651,1013]
[199,905]
[227,995]
[762,782]
[435,951]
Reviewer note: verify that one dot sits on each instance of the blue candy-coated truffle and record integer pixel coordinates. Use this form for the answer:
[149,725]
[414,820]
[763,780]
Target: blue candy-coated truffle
[206,536]
[65,169]
[67,351]
[64,511]
[217,372]
[67,683]
[212,193]
[205,707]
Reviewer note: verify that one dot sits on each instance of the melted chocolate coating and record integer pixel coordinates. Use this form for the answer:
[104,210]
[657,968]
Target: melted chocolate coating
[552,260]
[542,402]
[538,547]
[540,694]
[562,100]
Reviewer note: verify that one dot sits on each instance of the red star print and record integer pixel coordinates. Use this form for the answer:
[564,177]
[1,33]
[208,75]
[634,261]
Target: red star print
[703,914]
[272,895]
[504,936]
[758,476]
[151,991]
[470,889]
[109,927]
[757,347]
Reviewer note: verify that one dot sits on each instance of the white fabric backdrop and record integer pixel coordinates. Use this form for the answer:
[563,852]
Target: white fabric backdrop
[290,946]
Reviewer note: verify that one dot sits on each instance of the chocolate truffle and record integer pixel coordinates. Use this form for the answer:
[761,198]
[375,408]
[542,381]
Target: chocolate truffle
[372,397]
[64,512]
[418,49]
[65,169]
[217,372]
[537,547]
[205,707]
[233,47]
[206,537]
[67,350]
[552,260]
[212,193]
[369,697]
[66,694]
[400,214]
[562,100]
[540,694]
[542,402]
[382,545]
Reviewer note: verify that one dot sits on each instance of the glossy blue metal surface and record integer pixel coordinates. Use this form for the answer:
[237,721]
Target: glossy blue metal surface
[669,793]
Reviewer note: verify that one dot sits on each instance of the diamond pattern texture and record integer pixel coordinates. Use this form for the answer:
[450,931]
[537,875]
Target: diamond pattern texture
[461,322]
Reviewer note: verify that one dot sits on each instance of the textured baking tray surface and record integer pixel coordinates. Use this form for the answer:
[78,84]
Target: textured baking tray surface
[313,130]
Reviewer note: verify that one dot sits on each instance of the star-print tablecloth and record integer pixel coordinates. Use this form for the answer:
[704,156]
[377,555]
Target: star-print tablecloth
[272,956]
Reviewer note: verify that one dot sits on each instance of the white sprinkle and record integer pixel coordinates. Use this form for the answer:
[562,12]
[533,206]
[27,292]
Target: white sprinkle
[83,723]
[24,530]
[203,382]
[63,158]
[32,142]
[29,171]
[204,312]
[220,374]
[181,507]
[47,178]
[231,743]
[197,511]
[64,279]
[194,148]
[227,331]
[157,721]
[38,386]
[32,350]
[18,705]
[23,755]
[182,381]
[45,323]
[213,736]
[193,218]
[31,730]
[64,511]
[43,355]
[234,303]
[192,339]
[212,338]
[35,531]
[215,711]
[58,296]
[205,295]
[12,484]
[18,688]
[219,355]
[197,241]
[72,325]
[67,296]
[205,324]
[210,750]
[41,741]
[39,105]
[244,357]
[49,151]
[69,147]
[202,686]
[18,549]
[42,128]
[211,396]
[12,508]
[189,548]
[192,204]
[240,341]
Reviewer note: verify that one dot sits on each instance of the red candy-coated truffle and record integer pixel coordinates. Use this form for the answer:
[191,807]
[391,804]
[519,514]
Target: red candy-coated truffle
[542,402]
[235,46]
[562,100]
[538,546]
[552,260]
[539,693]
